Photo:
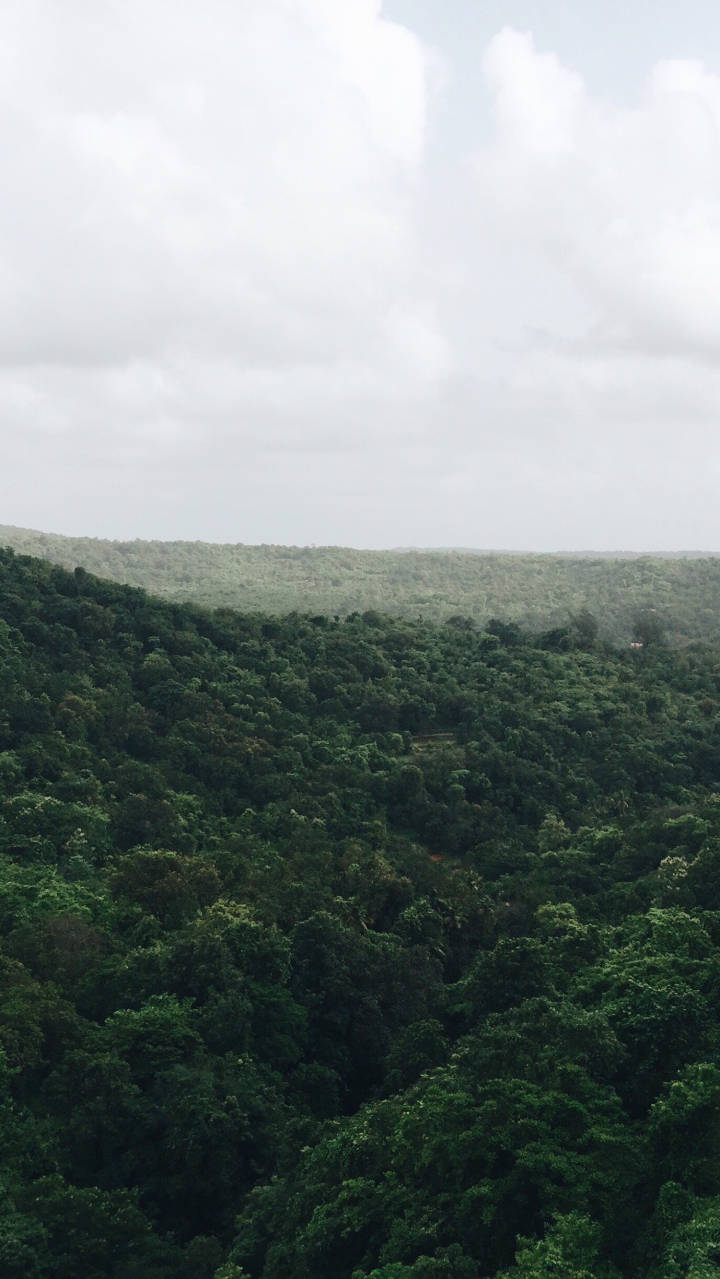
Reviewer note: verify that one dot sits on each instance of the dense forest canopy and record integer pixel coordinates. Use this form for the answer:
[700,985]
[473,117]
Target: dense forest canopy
[537,591]
[352,949]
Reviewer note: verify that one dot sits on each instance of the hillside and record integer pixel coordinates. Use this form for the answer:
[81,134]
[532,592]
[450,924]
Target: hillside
[363,949]
[537,591]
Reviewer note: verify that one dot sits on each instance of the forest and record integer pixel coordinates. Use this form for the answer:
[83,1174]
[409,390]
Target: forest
[536,591]
[353,946]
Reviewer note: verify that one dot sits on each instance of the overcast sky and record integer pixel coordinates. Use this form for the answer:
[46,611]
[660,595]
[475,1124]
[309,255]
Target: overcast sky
[428,272]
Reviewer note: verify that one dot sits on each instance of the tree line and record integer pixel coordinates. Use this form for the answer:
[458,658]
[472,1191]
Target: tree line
[536,591]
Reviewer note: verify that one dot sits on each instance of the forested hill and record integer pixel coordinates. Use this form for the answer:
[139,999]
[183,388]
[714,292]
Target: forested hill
[363,949]
[538,591]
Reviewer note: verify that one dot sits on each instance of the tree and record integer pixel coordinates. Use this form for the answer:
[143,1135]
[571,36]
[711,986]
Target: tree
[648,628]
[570,1250]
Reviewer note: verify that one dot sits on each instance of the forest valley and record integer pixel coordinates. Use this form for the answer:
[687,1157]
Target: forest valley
[353,948]
[539,592]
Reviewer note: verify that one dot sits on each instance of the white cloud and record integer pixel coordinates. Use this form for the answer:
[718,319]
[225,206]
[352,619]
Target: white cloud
[217,175]
[624,202]
[253,286]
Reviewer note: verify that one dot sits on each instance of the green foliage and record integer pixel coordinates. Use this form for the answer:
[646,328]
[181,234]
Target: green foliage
[570,1249]
[364,948]
[693,1250]
[573,599]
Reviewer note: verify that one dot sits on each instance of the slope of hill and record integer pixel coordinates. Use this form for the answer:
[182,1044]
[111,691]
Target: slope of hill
[537,591]
[368,949]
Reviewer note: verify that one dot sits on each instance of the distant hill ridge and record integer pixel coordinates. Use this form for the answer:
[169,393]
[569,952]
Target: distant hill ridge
[536,590]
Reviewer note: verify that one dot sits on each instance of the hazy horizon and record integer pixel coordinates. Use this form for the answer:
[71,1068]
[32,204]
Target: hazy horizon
[579,552]
[415,274]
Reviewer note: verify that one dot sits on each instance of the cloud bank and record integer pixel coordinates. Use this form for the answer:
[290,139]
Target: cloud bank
[254,288]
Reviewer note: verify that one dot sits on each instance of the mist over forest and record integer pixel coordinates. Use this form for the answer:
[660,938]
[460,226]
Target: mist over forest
[536,591]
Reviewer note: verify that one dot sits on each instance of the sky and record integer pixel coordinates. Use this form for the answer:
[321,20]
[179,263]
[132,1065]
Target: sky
[414,273]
